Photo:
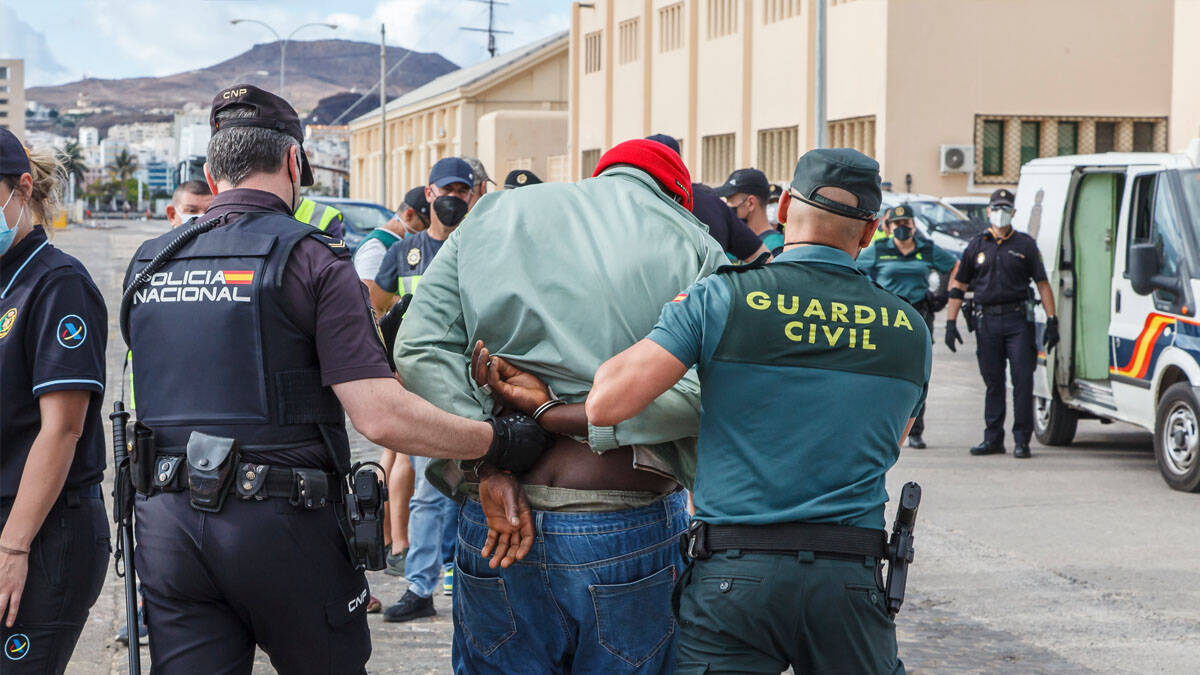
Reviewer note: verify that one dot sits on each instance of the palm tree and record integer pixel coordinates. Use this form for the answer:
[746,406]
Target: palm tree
[72,161]
[124,165]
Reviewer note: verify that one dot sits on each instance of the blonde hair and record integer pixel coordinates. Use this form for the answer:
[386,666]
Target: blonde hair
[48,181]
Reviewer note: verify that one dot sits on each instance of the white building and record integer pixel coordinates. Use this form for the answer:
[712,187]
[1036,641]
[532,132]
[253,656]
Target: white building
[89,137]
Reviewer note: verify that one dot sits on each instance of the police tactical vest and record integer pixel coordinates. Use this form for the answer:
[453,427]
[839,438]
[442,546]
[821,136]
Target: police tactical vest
[214,350]
[317,215]
[385,237]
[821,316]
[924,251]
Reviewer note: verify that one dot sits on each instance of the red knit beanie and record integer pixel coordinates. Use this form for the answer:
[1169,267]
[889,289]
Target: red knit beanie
[655,159]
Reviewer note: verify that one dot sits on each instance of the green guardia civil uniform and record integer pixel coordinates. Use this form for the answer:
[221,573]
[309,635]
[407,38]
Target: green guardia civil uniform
[844,365]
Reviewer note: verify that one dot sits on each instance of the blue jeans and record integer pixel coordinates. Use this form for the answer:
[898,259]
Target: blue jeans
[592,596]
[428,513]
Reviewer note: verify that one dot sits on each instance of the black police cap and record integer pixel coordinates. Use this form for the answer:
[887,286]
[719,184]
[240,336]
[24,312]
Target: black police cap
[746,182]
[520,178]
[1002,197]
[415,200]
[270,112]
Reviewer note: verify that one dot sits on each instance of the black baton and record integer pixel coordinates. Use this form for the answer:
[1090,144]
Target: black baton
[123,517]
[900,547]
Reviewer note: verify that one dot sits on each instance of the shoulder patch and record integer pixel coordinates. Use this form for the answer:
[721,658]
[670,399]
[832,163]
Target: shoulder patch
[759,263]
[334,244]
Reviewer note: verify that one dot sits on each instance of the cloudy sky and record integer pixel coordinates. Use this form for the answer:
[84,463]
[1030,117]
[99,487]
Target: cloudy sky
[64,40]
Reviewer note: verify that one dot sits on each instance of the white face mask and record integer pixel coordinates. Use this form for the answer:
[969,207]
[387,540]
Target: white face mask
[1000,218]
[8,233]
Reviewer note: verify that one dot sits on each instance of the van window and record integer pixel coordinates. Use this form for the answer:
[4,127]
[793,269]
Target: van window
[1155,223]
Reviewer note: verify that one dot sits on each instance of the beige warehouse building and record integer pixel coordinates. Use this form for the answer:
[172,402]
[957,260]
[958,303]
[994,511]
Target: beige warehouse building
[509,111]
[12,96]
[924,86]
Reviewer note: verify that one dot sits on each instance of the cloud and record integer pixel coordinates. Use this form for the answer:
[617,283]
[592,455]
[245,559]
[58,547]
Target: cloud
[18,40]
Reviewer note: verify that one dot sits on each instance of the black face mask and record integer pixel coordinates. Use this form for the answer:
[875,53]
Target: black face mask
[902,233]
[450,210]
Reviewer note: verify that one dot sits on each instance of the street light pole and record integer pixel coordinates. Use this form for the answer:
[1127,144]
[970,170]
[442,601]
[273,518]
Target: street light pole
[283,43]
[382,115]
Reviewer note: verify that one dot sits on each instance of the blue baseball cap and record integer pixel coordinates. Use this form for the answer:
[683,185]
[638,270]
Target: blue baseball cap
[14,161]
[666,140]
[449,170]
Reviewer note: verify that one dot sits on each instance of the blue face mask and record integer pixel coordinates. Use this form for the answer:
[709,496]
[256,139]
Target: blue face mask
[6,233]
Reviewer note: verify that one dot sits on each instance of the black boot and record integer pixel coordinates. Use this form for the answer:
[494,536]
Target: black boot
[986,448]
[1021,450]
[916,442]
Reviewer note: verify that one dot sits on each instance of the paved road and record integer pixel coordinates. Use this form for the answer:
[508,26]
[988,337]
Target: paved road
[1078,560]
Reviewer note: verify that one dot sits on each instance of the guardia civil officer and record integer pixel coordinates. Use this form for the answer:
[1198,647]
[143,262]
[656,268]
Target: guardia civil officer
[252,339]
[789,492]
[999,264]
[520,178]
[901,264]
[54,539]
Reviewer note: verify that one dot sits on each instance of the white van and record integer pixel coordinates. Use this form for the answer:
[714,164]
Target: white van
[1120,237]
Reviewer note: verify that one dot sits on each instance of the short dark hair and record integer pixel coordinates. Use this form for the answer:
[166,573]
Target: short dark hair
[234,153]
[192,187]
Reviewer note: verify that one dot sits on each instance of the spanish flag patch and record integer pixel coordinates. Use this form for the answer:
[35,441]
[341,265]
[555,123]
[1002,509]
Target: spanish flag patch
[238,277]
[680,297]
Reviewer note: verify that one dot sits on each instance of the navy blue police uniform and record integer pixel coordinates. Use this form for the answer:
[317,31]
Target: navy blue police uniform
[240,335]
[999,269]
[53,332]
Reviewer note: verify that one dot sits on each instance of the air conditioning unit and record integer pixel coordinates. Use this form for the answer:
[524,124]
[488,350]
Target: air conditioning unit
[956,159]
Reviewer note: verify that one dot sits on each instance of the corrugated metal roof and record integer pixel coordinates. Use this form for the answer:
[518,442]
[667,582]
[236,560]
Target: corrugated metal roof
[466,76]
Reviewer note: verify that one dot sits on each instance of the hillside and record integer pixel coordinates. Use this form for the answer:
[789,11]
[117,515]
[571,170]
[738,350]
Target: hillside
[315,69]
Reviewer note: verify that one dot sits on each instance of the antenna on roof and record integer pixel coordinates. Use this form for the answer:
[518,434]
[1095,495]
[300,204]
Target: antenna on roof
[491,30]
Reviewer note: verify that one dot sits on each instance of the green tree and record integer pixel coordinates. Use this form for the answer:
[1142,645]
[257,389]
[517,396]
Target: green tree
[123,166]
[72,160]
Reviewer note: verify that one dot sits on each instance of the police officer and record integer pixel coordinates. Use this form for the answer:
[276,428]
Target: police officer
[252,340]
[321,216]
[520,178]
[999,264]
[785,571]
[54,540]
[901,263]
[747,192]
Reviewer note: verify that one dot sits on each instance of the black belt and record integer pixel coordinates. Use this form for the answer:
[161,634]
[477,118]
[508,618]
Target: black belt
[702,539]
[70,496]
[1002,308]
[256,481]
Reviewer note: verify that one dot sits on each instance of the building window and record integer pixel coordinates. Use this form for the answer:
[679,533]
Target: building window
[778,10]
[854,132]
[1031,141]
[1106,136]
[627,36]
[717,157]
[722,18]
[993,147]
[777,152]
[670,27]
[3,72]
[588,161]
[591,52]
[1068,138]
[1143,136]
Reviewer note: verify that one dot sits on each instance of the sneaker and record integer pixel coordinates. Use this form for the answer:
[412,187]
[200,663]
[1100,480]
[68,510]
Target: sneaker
[410,606]
[916,442]
[395,564]
[374,606]
[143,634]
[448,581]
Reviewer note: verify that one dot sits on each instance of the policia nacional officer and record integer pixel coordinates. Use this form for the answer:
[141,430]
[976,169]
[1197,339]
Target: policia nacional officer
[54,538]
[999,264]
[249,339]
[901,264]
[789,492]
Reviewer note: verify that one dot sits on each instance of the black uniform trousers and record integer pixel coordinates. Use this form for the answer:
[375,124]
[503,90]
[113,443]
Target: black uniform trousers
[67,562]
[918,427]
[1000,337]
[259,572]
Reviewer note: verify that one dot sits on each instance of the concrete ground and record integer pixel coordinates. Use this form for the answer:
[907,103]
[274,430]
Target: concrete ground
[1080,559]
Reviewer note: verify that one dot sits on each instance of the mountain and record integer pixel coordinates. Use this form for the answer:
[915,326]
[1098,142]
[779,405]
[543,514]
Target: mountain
[331,108]
[315,69]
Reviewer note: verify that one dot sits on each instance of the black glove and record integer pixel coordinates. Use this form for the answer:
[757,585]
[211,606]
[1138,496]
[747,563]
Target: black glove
[952,334]
[1050,334]
[517,443]
[389,325]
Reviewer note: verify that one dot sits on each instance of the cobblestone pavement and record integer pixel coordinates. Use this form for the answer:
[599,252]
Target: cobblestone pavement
[1078,560]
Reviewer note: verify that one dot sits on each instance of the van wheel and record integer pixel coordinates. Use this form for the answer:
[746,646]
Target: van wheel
[1177,437]
[1053,422]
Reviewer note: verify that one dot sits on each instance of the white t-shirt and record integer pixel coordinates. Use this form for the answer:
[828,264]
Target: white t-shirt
[367,259]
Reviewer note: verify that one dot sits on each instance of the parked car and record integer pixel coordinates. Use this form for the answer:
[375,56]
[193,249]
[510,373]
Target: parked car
[972,206]
[1120,237]
[359,217]
[935,219]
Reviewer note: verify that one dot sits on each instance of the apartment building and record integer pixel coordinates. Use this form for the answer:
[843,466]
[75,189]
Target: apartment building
[12,96]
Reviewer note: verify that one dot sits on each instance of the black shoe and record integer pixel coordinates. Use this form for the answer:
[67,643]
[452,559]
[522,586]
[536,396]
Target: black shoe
[986,448]
[915,441]
[410,606]
[1021,450]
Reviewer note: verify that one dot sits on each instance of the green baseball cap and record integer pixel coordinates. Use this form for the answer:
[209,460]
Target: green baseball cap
[843,168]
[901,212]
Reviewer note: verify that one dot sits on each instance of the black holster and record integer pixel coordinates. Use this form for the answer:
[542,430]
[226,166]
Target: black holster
[211,462]
[969,315]
[141,459]
[365,514]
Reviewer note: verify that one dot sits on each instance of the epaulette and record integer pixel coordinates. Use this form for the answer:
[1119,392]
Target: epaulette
[759,263]
[334,244]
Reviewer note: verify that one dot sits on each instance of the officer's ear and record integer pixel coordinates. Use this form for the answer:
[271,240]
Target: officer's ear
[785,200]
[208,178]
[868,232]
[294,163]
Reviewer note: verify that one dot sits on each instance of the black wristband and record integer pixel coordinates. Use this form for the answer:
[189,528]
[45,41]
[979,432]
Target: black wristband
[517,443]
[957,293]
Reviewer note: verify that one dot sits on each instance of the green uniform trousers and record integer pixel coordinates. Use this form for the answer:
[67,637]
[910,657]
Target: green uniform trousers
[761,612]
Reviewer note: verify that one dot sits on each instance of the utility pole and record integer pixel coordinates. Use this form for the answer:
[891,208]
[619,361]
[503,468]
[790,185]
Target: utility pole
[819,94]
[382,115]
[491,29]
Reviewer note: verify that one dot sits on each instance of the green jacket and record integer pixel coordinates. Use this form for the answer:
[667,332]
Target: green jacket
[558,278]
